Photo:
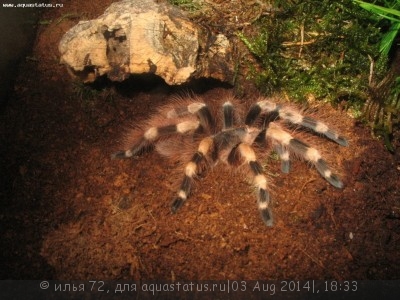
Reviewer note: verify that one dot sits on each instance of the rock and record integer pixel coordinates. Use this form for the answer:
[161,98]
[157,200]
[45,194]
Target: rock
[142,36]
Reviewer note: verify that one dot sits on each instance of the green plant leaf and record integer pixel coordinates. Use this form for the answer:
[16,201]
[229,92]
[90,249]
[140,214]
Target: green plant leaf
[388,39]
[384,12]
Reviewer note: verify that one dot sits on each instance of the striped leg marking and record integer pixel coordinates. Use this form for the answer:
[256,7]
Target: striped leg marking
[260,182]
[274,111]
[295,117]
[285,158]
[196,108]
[153,134]
[182,111]
[264,107]
[190,172]
[304,151]
[228,115]
[206,119]
[138,149]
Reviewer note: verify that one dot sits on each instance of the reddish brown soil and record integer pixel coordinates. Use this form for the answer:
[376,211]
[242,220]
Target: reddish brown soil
[70,212]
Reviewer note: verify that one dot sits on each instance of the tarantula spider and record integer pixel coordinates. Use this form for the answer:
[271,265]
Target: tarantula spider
[221,134]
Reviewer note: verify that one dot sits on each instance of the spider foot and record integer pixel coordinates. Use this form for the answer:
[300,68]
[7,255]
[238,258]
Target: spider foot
[119,155]
[335,181]
[324,170]
[176,205]
[263,207]
[266,216]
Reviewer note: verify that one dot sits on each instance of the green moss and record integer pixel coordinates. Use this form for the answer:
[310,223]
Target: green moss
[188,5]
[319,48]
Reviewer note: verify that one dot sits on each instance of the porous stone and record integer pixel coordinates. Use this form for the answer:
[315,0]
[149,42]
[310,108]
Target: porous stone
[142,36]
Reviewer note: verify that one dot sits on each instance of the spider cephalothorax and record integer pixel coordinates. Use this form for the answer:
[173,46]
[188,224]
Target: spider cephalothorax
[224,131]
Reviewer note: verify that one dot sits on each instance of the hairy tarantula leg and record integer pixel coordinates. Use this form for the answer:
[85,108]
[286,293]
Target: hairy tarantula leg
[153,134]
[276,111]
[190,172]
[228,115]
[295,117]
[260,181]
[303,150]
[135,150]
[284,156]
[262,107]
[196,108]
